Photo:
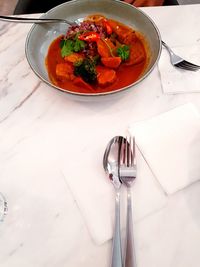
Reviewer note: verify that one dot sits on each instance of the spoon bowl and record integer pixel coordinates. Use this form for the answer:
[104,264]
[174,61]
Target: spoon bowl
[110,161]
[111,167]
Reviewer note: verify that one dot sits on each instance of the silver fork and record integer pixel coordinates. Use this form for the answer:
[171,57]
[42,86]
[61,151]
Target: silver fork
[127,174]
[179,62]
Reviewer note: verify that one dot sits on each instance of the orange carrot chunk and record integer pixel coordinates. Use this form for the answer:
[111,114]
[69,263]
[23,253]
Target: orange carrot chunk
[137,54]
[111,62]
[74,57]
[103,49]
[65,70]
[126,35]
[105,76]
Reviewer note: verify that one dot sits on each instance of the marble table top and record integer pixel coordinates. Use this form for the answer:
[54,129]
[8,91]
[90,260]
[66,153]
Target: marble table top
[44,225]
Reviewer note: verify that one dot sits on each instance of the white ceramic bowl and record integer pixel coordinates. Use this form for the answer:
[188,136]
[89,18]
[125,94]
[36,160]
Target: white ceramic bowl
[41,35]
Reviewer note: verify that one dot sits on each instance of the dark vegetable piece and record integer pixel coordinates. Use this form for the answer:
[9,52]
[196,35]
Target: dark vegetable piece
[86,70]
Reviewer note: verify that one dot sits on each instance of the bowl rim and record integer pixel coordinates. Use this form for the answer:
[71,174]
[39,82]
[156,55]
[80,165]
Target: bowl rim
[27,42]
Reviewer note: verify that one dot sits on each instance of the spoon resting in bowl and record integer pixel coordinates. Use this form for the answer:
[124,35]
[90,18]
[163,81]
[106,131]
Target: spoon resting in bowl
[38,20]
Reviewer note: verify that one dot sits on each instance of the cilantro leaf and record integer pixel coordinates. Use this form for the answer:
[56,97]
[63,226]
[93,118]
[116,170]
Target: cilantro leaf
[123,52]
[78,45]
[67,47]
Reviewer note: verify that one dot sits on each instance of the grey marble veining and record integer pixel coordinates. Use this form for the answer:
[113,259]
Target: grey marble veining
[44,225]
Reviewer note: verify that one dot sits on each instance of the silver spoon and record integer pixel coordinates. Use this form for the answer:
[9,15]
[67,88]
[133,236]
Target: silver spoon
[110,164]
[38,20]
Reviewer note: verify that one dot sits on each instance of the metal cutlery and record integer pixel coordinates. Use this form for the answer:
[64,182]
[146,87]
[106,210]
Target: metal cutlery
[111,167]
[118,162]
[36,20]
[127,175]
[179,62]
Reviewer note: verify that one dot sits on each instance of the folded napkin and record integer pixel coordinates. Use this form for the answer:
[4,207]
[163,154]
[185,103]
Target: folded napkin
[175,80]
[170,144]
[95,194]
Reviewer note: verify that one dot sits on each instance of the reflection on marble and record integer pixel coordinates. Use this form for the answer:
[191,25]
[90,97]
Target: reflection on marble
[44,225]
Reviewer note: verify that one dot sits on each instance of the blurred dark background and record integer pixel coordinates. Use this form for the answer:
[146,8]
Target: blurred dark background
[41,6]
[37,6]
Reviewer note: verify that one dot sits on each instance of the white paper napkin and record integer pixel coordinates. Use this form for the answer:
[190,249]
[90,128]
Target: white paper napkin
[170,144]
[175,80]
[95,195]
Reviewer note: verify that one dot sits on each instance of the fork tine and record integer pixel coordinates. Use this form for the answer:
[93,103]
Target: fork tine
[187,65]
[122,150]
[127,168]
[130,151]
[191,64]
[132,144]
[127,153]
[179,62]
[130,155]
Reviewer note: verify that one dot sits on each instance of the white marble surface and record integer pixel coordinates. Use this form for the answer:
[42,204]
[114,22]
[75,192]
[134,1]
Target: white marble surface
[44,225]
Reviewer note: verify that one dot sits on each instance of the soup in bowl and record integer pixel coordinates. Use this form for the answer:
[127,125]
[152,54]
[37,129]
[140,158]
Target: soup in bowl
[113,47]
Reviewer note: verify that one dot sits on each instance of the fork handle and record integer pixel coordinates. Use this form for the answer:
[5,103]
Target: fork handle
[116,249]
[129,257]
[168,48]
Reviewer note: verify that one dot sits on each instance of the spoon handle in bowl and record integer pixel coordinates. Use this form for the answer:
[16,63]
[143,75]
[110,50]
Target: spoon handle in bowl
[129,257]
[34,20]
[116,249]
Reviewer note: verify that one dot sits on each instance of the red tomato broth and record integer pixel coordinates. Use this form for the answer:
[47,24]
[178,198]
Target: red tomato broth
[126,75]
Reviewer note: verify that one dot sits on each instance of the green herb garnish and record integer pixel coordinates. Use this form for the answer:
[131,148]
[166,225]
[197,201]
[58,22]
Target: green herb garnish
[66,47]
[123,52]
[78,45]
[69,46]
[86,70]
